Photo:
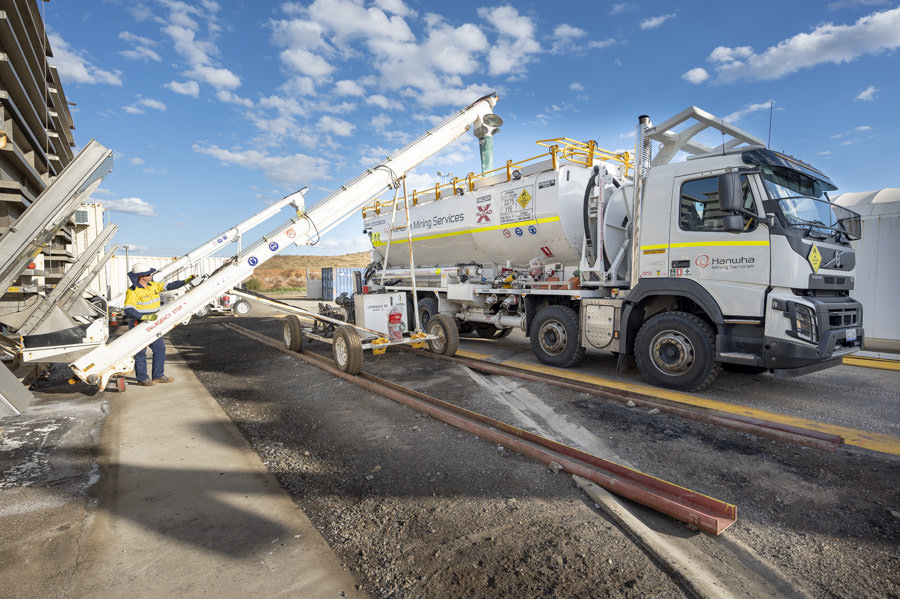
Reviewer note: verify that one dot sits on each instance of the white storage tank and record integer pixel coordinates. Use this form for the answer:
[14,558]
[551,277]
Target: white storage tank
[538,214]
[877,273]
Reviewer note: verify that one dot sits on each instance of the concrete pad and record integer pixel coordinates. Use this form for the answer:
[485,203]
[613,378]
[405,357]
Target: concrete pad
[182,506]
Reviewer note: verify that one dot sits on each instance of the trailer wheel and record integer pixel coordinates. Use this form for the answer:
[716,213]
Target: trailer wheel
[202,312]
[444,328]
[347,349]
[677,350]
[428,309]
[554,337]
[241,308]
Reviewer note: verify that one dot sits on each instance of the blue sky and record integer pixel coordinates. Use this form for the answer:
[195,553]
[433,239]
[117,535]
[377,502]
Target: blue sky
[214,109]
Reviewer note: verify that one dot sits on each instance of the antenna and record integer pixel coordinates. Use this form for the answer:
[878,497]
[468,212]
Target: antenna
[771,111]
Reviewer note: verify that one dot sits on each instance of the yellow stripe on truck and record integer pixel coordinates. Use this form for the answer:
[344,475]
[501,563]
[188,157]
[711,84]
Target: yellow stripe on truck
[696,244]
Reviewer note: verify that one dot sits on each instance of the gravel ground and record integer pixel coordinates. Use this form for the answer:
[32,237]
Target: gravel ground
[417,508]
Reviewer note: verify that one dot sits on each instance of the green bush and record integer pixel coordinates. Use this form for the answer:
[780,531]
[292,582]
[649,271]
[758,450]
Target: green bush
[252,284]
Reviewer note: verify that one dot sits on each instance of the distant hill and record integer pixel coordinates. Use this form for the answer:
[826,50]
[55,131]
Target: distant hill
[291,271]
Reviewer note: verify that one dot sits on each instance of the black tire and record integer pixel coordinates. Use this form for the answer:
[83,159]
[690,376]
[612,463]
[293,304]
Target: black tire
[346,348]
[465,328]
[428,308]
[241,308]
[677,350]
[501,333]
[444,328]
[202,312]
[554,337]
[292,333]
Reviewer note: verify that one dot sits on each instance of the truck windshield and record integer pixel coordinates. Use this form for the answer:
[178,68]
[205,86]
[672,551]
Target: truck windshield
[802,207]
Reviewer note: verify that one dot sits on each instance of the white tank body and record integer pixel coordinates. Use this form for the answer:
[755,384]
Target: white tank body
[539,215]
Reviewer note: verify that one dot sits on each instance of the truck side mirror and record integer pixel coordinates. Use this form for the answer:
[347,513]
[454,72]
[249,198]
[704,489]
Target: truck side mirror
[730,192]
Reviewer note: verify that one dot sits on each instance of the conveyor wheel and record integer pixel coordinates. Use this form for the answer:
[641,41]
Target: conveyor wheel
[447,335]
[347,349]
[292,333]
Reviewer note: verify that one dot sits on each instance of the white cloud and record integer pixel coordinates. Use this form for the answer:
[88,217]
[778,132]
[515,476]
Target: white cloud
[336,126]
[142,47]
[872,34]
[622,7]
[137,161]
[565,38]
[576,87]
[130,206]
[516,45]
[379,100]
[696,75]
[75,68]
[394,6]
[346,87]
[142,103]
[868,94]
[182,27]
[654,22]
[186,88]
[307,63]
[734,117]
[293,170]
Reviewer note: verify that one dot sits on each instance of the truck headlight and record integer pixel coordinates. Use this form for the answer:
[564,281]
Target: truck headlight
[804,323]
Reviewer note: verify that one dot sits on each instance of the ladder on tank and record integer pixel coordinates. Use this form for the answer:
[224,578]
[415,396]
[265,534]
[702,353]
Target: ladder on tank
[387,250]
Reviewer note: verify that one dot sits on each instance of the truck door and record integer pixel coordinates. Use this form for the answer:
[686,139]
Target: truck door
[732,267]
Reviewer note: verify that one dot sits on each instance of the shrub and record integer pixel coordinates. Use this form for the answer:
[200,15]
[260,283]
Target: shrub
[252,285]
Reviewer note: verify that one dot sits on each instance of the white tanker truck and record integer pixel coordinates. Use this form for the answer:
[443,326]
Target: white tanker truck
[735,256]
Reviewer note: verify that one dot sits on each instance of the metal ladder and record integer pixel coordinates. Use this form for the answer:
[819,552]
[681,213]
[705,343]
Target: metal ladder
[387,249]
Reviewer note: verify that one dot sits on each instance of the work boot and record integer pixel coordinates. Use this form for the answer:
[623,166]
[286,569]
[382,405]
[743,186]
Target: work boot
[147,383]
[163,379]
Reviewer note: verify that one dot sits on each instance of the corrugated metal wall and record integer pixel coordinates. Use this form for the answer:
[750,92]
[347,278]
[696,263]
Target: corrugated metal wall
[336,281]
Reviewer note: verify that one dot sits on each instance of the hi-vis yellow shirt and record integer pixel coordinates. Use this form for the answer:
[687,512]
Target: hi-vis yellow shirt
[144,300]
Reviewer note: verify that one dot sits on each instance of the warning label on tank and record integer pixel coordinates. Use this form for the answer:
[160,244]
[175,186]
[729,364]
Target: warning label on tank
[516,205]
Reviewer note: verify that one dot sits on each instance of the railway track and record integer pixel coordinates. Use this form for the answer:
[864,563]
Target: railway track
[707,566]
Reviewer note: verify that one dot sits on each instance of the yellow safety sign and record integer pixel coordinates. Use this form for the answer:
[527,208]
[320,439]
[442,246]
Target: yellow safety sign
[815,258]
[524,198]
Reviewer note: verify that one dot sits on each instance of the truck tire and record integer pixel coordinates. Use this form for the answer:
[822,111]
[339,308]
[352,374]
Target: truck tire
[677,350]
[444,328]
[428,308]
[241,308]
[202,312]
[554,337]
[347,350]
[292,333]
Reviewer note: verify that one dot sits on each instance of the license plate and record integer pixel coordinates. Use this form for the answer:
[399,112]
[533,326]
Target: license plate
[851,334]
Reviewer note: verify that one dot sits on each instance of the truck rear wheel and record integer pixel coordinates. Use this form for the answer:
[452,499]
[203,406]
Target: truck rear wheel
[428,309]
[347,349]
[554,337]
[677,350]
[292,333]
[241,308]
[444,328]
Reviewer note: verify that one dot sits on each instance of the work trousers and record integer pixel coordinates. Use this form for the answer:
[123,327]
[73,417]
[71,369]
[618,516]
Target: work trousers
[159,361]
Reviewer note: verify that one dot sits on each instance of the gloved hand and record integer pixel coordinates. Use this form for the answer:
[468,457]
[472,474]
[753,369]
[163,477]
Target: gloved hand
[190,278]
[149,317]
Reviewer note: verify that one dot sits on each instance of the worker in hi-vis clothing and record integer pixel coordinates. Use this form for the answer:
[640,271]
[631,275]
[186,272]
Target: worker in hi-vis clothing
[142,303]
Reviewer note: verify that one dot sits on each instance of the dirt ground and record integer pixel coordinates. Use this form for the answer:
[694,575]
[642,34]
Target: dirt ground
[417,508]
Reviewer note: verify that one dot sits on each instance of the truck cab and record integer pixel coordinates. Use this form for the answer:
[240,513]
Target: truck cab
[745,250]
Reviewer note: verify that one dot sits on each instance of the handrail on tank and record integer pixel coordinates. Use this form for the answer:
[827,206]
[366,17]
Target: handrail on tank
[577,152]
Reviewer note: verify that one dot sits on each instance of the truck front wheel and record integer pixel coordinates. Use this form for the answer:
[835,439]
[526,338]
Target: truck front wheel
[554,337]
[676,350]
